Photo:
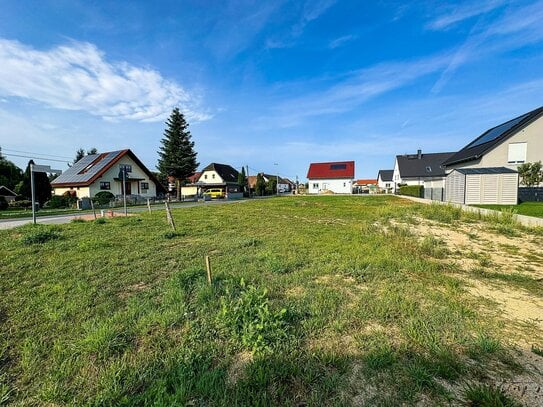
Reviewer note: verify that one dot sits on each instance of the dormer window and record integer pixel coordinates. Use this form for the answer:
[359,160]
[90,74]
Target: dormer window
[428,169]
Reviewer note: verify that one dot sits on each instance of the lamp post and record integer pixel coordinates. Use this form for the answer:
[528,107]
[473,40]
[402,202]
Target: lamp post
[277,181]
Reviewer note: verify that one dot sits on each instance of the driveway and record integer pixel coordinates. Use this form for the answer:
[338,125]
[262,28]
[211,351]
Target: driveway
[59,219]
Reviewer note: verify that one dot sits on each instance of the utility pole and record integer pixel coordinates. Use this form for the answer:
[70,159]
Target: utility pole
[277,181]
[248,184]
[33,193]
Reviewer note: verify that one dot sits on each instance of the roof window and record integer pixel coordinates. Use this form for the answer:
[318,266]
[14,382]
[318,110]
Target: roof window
[338,166]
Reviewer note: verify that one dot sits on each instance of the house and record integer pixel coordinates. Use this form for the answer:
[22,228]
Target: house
[191,189]
[384,181]
[364,186]
[508,145]
[336,177]
[422,169]
[220,176]
[490,185]
[95,173]
[7,193]
[284,185]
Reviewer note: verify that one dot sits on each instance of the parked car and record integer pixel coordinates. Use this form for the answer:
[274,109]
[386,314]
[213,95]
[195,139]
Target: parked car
[215,193]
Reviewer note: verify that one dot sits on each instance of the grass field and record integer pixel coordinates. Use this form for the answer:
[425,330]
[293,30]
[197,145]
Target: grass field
[314,301]
[524,208]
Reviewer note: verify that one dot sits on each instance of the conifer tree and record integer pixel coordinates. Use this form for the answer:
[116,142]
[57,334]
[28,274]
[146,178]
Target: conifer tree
[177,157]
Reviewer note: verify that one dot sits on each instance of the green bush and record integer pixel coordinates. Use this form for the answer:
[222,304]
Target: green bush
[103,198]
[20,204]
[3,203]
[248,318]
[61,201]
[39,235]
[412,190]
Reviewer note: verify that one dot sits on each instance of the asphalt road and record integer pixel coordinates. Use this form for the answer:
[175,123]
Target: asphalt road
[59,219]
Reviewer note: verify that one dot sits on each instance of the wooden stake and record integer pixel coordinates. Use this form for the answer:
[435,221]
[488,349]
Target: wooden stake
[169,215]
[149,205]
[208,266]
[93,210]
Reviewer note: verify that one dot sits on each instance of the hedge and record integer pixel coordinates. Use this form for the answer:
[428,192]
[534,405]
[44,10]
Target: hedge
[412,190]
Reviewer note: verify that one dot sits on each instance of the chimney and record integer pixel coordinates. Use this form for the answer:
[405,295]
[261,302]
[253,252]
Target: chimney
[419,154]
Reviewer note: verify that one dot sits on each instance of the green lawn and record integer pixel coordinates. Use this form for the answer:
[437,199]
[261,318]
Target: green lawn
[524,208]
[312,303]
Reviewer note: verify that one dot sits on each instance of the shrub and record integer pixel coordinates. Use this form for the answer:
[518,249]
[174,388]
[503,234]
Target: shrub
[3,203]
[412,190]
[61,201]
[39,235]
[249,319]
[100,221]
[103,198]
[20,204]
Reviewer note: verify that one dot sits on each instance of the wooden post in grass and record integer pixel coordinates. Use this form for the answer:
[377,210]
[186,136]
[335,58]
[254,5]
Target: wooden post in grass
[149,204]
[208,267]
[93,210]
[169,215]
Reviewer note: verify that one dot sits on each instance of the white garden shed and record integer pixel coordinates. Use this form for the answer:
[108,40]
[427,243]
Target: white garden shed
[473,186]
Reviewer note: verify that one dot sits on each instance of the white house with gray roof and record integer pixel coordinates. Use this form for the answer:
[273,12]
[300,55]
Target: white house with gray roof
[102,172]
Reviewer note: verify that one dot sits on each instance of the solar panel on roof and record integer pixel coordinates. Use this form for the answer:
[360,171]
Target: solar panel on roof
[497,131]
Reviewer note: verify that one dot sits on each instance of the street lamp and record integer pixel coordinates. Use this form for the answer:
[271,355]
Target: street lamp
[277,181]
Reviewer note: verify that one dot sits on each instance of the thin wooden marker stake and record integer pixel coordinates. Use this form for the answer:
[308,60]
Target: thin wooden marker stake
[93,210]
[208,266]
[169,215]
[149,205]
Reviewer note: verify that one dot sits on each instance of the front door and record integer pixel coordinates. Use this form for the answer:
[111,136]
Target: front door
[128,186]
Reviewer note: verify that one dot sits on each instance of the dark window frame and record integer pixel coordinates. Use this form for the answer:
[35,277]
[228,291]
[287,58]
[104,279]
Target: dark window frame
[144,185]
[105,185]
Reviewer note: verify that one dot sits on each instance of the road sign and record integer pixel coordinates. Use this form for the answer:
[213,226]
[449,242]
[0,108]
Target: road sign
[45,168]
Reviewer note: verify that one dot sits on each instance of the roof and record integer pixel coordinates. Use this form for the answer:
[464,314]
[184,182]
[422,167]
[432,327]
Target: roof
[386,175]
[365,182]
[5,191]
[225,171]
[493,137]
[193,178]
[331,170]
[428,165]
[487,170]
[91,167]
[274,177]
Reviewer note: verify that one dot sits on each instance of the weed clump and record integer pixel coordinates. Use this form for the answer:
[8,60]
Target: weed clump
[100,221]
[39,235]
[170,234]
[442,213]
[482,395]
[248,318]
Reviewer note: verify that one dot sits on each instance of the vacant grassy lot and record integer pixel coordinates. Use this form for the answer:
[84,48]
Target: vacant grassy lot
[315,301]
[524,208]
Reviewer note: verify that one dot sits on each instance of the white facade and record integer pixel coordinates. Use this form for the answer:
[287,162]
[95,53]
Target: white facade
[109,181]
[335,185]
[386,186]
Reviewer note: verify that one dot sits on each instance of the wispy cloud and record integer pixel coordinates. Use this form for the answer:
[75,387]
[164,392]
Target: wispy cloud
[463,12]
[338,42]
[77,76]
[516,28]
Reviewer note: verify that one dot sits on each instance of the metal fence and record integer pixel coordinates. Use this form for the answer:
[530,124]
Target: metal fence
[435,194]
[531,194]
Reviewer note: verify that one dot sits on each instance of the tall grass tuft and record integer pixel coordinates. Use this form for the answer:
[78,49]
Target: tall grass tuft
[482,395]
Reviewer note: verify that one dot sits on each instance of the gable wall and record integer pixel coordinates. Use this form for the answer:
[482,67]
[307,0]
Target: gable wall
[212,178]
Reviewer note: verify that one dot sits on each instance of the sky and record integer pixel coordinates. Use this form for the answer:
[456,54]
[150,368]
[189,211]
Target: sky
[270,85]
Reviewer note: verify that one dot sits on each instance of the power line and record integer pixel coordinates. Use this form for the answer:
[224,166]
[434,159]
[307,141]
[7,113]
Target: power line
[29,152]
[34,158]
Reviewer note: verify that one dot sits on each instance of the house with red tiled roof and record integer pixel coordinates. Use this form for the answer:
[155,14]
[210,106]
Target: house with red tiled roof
[331,177]
[364,186]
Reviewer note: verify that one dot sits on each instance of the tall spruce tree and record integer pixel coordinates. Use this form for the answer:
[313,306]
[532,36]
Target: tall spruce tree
[177,155]
[260,187]
[242,180]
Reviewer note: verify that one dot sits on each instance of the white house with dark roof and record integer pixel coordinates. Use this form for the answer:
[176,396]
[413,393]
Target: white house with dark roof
[385,180]
[219,176]
[101,172]
[421,169]
[515,142]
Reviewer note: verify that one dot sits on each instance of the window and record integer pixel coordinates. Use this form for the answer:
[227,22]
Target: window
[344,184]
[517,153]
[315,185]
[205,176]
[387,185]
[428,169]
[213,176]
[105,185]
[126,167]
[338,167]
[144,185]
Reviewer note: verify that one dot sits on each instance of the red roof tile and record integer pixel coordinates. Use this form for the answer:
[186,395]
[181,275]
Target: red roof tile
[336,169]
[365,182]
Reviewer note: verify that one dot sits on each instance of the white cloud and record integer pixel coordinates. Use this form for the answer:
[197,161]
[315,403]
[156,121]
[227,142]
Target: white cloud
[78,77]
[464,12]
[338,42]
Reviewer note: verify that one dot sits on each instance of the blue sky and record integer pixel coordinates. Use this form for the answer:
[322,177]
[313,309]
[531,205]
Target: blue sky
[265,82]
